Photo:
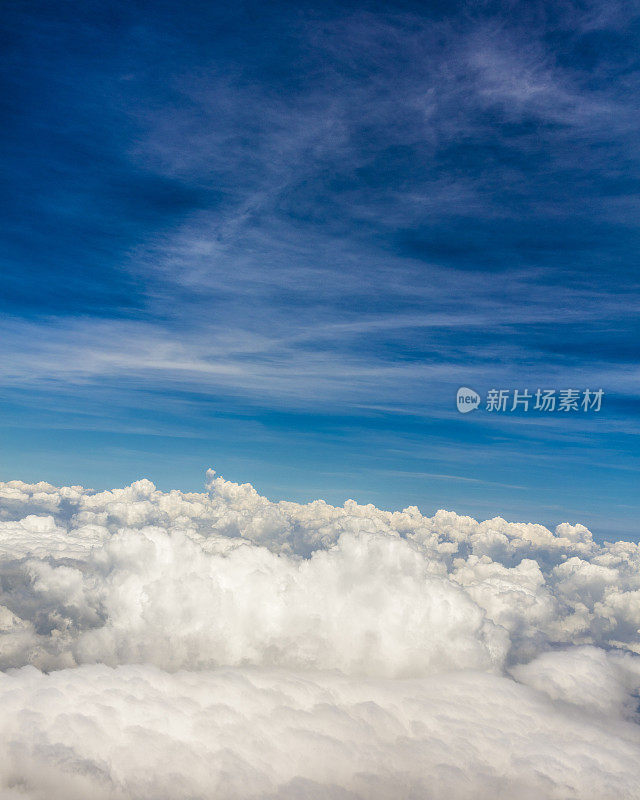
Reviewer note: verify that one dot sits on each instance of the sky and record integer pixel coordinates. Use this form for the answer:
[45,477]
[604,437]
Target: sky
[274,239]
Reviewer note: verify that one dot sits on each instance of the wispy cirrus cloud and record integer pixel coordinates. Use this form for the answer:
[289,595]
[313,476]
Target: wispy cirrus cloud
[322,211]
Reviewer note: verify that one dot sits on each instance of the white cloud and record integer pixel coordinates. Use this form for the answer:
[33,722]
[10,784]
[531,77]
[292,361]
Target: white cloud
[216,644]
[138,732]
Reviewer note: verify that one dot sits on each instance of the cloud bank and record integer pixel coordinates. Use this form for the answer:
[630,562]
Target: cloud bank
[216,644]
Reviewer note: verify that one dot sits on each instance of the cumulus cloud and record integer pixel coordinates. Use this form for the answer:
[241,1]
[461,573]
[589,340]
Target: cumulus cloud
[139,732]
[215,644]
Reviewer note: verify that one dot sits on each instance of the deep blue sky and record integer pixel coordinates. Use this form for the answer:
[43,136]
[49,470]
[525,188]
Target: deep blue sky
[275,238]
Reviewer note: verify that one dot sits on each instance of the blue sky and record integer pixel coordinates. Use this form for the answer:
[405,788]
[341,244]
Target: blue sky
[274,239]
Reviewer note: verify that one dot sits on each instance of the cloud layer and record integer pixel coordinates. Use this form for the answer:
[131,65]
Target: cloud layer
[138,732]
[216,644]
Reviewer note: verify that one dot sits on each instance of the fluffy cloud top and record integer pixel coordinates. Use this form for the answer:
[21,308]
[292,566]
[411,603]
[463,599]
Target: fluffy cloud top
[201,645]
